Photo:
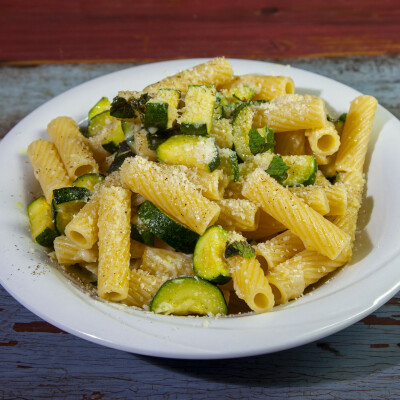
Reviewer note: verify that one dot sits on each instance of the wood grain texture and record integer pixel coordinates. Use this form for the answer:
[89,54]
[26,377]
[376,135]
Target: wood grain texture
[39,361]
[43,82]
[361,362]
[36,31]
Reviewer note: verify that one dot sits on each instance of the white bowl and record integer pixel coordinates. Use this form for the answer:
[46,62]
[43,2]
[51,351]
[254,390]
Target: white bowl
[367,282]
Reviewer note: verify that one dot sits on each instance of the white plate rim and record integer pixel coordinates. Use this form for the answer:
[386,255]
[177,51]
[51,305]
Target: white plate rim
[174,337]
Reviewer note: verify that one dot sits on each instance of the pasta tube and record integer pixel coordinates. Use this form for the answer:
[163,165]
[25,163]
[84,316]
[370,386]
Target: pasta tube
[266,87]
[114,243]
[74,152]
[356,133]
[250,283]
[169,189]
[48,167]
[217,71]
[315,231]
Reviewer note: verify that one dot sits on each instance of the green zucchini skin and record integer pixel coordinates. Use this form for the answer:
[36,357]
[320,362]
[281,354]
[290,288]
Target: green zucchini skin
[40,221]
[156,115]
[242,248]
[46,237]
[67,194]
[124,151]
[189,150]
[88,181]
[102,105]
[129,129]
[240,93]
[114,138]
[142,234]
[230,109]
[229,164]
[218,107]
[161,111]
[66,203]
[156,139]
[194,128]
[257,103]
[241,125]
[115,133]
[302,170]
[167,229]
[189,296]
[98,122]
[197,116]
[208,257]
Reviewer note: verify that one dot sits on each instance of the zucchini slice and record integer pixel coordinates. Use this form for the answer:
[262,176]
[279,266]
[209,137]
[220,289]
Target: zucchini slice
[302,170]
[241,248]
[198,113]
[229,109]
[88,181]
[257,103]
[208,257]
[102,105]
[242,122]
[167,229]
[129,129]
[192,151]
[189,296]
[156,114]
[113,139]
[98,122]
[41,223]
[162,111]
[124,151]
[142,234]
[218,106]
[66,203]
[240,93]
[339,124]
[115,133]
[156,139]
[229,164]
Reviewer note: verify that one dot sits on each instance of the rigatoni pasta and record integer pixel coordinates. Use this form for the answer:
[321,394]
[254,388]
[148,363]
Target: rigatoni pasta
[245,217]
[170,189]
[265,87]
[114,243]
[251,284]
[280,248]
[316,232]
[48,167]
[283,116]
[76,156]
[215,72]
[355,135]
[323,141]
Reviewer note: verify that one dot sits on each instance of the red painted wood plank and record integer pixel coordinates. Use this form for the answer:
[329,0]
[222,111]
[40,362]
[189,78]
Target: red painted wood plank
[154,30]
[36,326]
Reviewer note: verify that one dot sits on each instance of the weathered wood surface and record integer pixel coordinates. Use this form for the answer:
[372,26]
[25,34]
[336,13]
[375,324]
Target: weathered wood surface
[38,361]
[37,31]
[24,88]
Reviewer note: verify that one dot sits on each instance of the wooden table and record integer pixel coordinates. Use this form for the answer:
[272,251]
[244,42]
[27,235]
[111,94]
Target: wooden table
[37,360]
[39,42]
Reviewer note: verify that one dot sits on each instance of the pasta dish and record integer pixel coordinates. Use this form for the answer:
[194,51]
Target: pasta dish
[205,193]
